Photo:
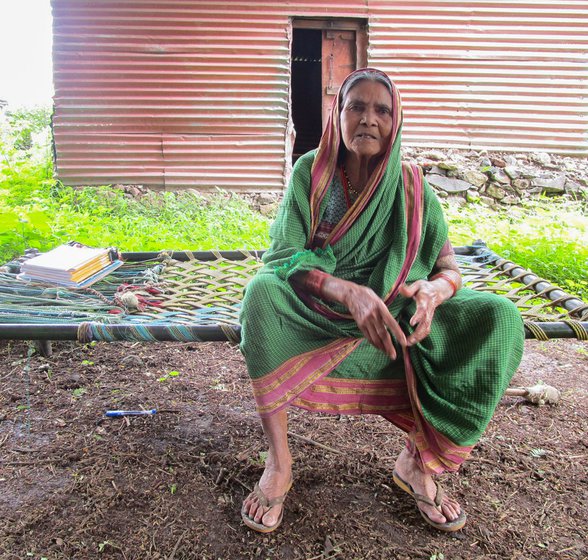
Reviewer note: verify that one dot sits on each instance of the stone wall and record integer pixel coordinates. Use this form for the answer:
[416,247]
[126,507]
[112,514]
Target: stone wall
[498,179]
[495,179]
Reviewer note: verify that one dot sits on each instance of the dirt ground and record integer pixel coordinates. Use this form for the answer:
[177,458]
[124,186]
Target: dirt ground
[75,484]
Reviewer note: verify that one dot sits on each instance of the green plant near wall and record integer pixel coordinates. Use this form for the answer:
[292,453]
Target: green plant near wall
[25,171]
[22,124]
[548,236]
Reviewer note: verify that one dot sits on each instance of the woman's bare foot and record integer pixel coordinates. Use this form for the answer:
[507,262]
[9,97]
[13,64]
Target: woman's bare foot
[275,482]
[421,483]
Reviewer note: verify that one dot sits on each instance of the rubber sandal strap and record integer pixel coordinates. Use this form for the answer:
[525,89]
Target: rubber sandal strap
[426,500]
[263,498]
[440,494]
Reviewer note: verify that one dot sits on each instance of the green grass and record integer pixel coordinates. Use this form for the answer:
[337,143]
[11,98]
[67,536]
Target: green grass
[548,236]
[37,211]
[102,216]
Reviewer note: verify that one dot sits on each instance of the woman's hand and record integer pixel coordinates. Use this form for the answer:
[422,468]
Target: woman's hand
[428,295]
[369,311]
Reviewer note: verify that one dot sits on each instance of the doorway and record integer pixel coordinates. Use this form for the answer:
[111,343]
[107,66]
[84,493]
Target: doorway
[324,52]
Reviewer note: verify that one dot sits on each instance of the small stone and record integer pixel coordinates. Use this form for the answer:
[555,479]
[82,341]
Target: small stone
[521,184]
[448,165]
[448,184]
[436,170]
[269,209]
[487,201]
[541,157]
[501,177]
[129,300]
[265,199]
[510,199]
[572,186]
[511,171]
[535,192]
[498,162]
[495,191]
[476,178]
[551,184]
[484,162]
[473,195]
[435,155]
[510,161]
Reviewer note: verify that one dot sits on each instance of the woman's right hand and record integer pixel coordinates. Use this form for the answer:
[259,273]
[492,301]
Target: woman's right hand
[369,311]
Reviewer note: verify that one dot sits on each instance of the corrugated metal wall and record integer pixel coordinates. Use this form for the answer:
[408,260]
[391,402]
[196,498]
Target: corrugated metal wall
[178,93]
[184,93]
[502,74]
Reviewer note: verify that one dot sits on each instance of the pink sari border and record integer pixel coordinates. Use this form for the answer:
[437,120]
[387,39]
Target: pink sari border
[278,389]
[435,452]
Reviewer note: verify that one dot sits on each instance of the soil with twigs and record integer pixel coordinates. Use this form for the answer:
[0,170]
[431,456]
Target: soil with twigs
[75,484]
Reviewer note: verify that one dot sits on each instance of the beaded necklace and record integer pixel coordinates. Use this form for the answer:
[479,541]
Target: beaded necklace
[350,187]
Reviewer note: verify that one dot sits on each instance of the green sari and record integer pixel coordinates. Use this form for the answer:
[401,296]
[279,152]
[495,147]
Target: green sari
[309,353]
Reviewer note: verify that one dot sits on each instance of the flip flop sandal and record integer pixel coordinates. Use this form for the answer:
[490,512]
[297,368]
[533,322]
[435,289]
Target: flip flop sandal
[262,498]
[448,526]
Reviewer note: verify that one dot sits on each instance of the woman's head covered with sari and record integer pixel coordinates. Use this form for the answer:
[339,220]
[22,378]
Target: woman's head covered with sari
[331,150]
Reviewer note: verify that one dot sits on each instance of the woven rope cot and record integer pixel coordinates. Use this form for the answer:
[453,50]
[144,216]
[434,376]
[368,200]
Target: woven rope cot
[196,296]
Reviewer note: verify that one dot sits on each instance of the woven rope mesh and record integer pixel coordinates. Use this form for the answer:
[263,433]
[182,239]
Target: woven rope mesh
[532,299]
[208,293]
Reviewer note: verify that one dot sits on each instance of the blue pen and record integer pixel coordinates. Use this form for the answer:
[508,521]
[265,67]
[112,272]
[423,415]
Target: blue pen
[117,413]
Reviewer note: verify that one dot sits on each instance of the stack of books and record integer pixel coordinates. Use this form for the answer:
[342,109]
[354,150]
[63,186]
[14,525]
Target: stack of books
[72,265]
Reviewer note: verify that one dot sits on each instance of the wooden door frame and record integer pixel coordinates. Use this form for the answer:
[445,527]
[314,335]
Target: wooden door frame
[360,26]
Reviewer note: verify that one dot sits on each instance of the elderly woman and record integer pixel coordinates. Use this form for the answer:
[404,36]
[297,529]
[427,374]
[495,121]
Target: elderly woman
[359,310]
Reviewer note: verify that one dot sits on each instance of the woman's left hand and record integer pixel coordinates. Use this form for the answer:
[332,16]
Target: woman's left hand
[428,295]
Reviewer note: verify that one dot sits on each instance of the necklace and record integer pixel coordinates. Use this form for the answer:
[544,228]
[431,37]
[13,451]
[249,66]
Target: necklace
[350,187]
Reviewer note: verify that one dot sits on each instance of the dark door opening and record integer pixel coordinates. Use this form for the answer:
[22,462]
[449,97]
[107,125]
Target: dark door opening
[306,89]
[323,53]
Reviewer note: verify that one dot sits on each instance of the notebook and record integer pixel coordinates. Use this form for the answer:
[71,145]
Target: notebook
[71,265]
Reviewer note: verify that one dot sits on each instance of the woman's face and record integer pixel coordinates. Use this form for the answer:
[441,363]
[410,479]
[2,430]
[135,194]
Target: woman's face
[366,119]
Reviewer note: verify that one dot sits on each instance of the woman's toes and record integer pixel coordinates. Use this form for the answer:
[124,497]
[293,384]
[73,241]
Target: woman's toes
[435,515]
[269,519]
[250,506]
[258,515]
[451,509]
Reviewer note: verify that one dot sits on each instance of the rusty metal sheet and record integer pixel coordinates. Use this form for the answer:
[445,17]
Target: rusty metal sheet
[176,94]
[498,74]
[186,93]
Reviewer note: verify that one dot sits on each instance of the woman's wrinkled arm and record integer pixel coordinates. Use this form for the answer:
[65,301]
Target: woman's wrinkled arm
[447,269]
[367,309]
[442,284]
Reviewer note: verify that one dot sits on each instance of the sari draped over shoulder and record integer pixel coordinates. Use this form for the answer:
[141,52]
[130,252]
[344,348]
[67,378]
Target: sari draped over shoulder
[310,353]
